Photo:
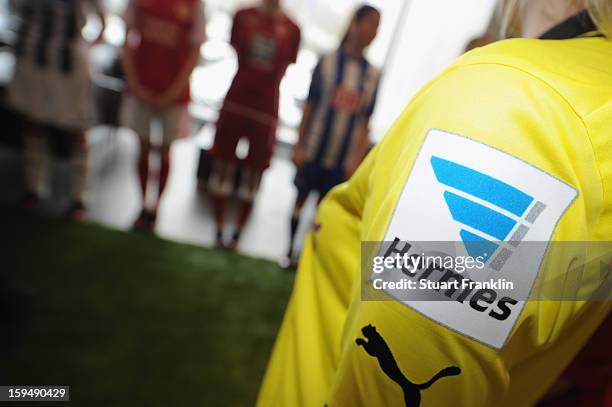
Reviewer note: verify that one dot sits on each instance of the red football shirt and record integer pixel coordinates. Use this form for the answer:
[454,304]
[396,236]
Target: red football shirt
[166,31]
[265,44]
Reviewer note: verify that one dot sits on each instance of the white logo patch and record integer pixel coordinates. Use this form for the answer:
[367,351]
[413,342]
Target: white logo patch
[487,202]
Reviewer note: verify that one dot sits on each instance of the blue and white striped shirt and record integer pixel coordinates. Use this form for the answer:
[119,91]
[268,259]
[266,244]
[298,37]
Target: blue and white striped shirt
[342,96]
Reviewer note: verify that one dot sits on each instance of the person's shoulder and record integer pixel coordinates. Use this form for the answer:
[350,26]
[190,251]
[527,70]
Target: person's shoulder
[576,69]
[290,22]
[245,11]
[530,48]
[548,59]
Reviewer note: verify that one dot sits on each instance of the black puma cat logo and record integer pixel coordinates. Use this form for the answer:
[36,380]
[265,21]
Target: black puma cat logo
[378,348]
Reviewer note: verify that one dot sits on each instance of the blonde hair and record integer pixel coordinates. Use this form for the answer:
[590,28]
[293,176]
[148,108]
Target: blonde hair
[600,11]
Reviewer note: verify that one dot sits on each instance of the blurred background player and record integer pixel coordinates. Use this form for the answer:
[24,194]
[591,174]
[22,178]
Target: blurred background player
[161,50]
[333,136]
[51,88]
[266,42]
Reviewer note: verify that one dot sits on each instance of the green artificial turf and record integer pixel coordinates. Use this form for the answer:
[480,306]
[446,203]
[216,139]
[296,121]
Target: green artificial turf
[128,319]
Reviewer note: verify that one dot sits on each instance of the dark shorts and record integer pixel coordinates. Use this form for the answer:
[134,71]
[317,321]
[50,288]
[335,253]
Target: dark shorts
[313,177]
[231,127]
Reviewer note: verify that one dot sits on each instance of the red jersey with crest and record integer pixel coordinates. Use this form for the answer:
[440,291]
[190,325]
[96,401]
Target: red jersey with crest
[165,32]
[266,43]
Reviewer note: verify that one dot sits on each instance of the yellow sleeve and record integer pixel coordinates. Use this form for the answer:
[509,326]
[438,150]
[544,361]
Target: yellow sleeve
[336,349]
[521,116]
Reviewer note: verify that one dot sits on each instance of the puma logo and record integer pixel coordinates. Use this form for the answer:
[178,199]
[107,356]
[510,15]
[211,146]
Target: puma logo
[376,347]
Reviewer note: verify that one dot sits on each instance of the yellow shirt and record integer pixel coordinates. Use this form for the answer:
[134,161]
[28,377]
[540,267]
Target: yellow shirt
[535,114]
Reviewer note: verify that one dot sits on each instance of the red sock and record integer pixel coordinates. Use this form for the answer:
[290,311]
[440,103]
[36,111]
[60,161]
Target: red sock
[246,207]
[143,172]
[164,172]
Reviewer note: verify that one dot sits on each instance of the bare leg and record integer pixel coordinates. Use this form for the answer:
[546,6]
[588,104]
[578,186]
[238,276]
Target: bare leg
[295,221]
[221,184]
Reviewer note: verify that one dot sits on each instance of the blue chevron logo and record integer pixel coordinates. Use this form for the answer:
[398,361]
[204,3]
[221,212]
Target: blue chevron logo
[487,209]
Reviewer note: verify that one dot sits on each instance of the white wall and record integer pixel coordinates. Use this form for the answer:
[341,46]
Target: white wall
[431,35]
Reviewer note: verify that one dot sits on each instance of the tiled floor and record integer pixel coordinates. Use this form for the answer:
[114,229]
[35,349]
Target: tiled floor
[185,215]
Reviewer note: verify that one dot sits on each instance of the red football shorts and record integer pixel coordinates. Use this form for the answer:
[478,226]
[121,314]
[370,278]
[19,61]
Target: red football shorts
[261,133]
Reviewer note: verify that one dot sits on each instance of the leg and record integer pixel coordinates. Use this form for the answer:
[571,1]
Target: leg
[306,180]
[295,220]
[150,216]
[288,261]
[34,149]
[220,186]
[310,179]
[249,186]
[138,116]
[262,139]
[143,220]
[78,162]
[221,182]
[164,172]
[143,167]
[176,123]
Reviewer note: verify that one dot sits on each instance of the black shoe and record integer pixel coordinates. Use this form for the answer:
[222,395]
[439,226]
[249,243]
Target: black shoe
[151,220]
[76,211]
[30,201]
[219,243]
[233,244]
[145,221]
[139,223]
